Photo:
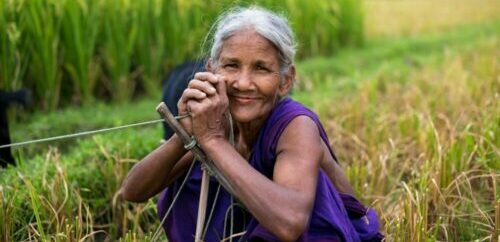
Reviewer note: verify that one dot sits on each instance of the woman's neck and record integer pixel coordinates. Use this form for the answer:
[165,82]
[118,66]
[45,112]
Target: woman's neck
[246,135]
[248,132]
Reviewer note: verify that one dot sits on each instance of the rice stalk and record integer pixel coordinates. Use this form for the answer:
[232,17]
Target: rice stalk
[79,32]
[36,206]
[119,35]
[13,61]
[42,21]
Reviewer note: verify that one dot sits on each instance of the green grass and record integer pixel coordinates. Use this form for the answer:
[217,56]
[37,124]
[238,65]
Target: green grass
[78,119]
[42,22]
[75,51]
[415,122]
[79,34]
[13,62]
[323,77]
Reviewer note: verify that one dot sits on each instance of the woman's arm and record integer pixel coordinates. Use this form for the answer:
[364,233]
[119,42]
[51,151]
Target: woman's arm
[282,205]
[165,164]
[158,169]
[335,172]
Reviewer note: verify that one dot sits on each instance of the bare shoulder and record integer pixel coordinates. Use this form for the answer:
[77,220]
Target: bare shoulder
[302,132]
[299,151]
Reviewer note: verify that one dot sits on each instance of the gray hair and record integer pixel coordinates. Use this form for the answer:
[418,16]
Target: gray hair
[272,26]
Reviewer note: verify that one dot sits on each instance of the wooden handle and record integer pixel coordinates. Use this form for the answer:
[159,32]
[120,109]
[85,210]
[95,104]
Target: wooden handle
[200,155]
[202,207]
[165,113]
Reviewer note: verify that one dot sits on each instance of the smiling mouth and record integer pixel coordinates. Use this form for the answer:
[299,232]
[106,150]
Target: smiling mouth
[243,99]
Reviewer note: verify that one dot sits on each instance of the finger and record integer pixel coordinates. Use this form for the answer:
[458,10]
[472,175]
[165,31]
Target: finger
[189,107]
[221,86]
[203,86]
[206,76]
[196,107]
[192,93]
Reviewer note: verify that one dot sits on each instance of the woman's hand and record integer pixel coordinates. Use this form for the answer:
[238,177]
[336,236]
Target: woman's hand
[208,114]
[198,89]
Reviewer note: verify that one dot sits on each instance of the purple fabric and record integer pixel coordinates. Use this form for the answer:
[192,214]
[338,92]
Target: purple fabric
[335,216]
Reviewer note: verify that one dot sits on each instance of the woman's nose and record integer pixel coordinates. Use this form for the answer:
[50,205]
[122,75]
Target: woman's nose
[243,80]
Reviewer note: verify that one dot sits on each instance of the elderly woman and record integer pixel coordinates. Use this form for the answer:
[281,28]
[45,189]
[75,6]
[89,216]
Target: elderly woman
[281,166]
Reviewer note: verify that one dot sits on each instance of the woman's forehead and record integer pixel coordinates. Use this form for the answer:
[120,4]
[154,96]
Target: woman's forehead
[248,44]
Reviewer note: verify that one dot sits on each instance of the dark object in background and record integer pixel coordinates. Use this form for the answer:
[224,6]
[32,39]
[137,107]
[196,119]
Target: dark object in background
[22,97]
[174,84]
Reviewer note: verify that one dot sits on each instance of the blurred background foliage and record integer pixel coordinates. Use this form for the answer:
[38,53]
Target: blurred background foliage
[76,51]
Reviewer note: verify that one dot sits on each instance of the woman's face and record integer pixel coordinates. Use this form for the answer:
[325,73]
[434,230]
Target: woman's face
[250,65]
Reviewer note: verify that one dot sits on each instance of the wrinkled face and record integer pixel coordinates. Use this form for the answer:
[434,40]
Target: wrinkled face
[250,64]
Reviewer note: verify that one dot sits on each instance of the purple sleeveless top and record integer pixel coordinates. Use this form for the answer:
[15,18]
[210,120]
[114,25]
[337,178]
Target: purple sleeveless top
[335,216]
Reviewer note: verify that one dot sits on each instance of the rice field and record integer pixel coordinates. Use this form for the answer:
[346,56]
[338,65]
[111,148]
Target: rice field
[426,150]
[414,119]
[79,51]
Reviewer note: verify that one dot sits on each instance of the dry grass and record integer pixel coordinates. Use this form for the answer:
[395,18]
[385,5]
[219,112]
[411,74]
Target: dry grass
[411,17]
[426,151]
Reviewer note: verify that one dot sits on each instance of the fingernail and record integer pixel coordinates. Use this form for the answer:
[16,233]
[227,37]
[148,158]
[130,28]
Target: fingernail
[212,90]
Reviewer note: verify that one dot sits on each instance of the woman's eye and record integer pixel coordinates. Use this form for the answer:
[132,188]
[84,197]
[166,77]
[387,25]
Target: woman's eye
[230,66]
[262,68]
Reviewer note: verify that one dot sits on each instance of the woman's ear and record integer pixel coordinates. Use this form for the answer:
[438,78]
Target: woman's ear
[287,82]
[209,66]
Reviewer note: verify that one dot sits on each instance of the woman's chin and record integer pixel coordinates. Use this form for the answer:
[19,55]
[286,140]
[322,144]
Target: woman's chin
[249,113]
[242,118]
[243,115]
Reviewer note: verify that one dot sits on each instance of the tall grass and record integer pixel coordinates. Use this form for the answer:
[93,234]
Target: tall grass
[77,51]
[48,199]
[79,34]
[149,47]
[119,36]
[13,61]
[419,140]
[42,22]
[432,141]
[351,32]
